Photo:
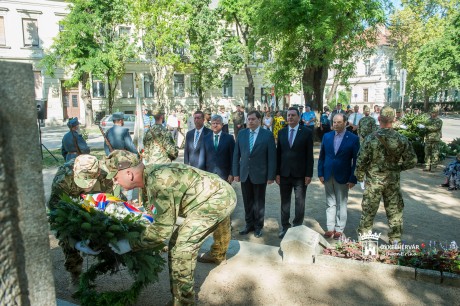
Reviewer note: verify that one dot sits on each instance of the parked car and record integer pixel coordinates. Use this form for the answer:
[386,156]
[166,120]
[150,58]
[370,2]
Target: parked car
[129,119]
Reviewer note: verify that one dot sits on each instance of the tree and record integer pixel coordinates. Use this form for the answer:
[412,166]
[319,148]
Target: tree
[310,35]
[417,31]
[90,45]
[239,48]
[164,28]
[205,37]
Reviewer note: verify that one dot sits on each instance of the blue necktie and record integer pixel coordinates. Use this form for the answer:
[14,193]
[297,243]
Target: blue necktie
[216,141]
[197,136]
[291,138]
[251,141]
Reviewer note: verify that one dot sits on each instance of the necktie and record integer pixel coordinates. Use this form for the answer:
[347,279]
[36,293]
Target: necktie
[354,120]
[251,141]
[197,136]
[291,138]
[216,141]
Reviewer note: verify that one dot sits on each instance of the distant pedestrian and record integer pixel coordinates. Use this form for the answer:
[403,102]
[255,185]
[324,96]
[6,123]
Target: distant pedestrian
[73,143]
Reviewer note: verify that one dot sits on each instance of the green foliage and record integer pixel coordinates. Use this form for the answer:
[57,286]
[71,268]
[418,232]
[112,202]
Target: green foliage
[91,44]
[73,221]
[415,134]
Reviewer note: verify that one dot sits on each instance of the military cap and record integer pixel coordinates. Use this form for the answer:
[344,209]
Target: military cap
[85,170]
[348,106]
[73,122]
[158,110]
[435,109]
[387,111]
[119,160]
[118,116]
[207,111]
[366,108]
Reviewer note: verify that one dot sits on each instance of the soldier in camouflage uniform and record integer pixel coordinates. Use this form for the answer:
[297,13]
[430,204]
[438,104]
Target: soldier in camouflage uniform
[238,120]
[207,118]
[76,177]
[175,190]
[433,128]
[366,125]
[159,146]
[383,155]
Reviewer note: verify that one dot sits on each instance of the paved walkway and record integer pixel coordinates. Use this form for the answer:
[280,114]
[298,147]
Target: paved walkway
[250,277]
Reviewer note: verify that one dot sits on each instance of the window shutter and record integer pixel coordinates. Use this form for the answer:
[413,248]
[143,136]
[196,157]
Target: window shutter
[2,32]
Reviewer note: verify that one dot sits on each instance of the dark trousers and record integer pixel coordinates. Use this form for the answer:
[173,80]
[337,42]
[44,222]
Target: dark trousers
[225,128]
[254,203]
[326,129]
[300,190]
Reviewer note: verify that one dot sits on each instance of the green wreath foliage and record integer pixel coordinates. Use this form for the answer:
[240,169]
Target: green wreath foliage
[73,221]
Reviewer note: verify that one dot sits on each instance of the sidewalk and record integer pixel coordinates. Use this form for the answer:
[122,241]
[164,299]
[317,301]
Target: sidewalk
[254,274]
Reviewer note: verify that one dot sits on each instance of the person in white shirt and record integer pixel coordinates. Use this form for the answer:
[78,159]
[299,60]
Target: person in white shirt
[353,120]
[225,118]
[376,114]
[172,124]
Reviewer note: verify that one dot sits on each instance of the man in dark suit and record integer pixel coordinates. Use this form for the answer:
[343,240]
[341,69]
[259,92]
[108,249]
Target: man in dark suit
[294,168]
[217,149]
[193,141]
[254,164]
[336,167]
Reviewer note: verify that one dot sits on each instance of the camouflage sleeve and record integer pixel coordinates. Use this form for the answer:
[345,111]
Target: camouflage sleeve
[434,125]
[363,161]
[409,158]
[169,145]
[59,187]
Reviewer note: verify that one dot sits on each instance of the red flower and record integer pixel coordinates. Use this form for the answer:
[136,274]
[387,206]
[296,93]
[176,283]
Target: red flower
[423,245]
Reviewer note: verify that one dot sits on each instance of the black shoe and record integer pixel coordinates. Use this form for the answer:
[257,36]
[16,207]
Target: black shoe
[246,230]
[281,234]
[452,188]
[444,185]
[258,233]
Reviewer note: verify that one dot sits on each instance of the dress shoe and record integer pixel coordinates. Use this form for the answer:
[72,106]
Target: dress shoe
[246,230]
[452,188]
[337,235]
[282,233]
[329,234]
[258,233]
[444,185]
[208,258]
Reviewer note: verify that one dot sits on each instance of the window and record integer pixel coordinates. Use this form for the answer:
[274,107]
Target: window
[98,89]
[74,100]
[66,101]
[61,26]
[367,67]
[389,94]
[227,87]
[148,86]
[391,67]
[124,31]
[365,95]
[30,32]
[179,85]
[194,85]
[2,32]
[127,86]
[38,85]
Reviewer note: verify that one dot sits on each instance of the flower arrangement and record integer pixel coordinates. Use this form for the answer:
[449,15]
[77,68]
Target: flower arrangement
[103,219]
[434,256]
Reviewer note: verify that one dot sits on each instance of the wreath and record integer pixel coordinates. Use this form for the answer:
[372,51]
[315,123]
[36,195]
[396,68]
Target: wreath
[103,219]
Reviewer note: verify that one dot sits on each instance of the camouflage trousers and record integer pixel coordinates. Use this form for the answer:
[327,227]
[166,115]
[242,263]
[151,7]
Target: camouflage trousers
[187,239]
[222,236]
[388,189]
[73,260]
[431,154]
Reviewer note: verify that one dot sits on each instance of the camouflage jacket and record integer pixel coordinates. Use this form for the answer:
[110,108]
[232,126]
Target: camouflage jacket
[433,129]
[238,118]
[366,126]
[207,124]
[63,183]
[178,190]
[377,161]
[159,146]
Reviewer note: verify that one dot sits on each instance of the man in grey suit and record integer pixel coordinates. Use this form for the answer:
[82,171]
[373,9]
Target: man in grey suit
[254,164]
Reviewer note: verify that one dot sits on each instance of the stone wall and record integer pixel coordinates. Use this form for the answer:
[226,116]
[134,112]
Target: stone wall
[26,269]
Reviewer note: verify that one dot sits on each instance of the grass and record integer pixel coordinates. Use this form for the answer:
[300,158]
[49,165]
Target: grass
[49,162]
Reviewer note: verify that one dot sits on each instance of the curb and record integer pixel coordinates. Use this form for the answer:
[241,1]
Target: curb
[429,276]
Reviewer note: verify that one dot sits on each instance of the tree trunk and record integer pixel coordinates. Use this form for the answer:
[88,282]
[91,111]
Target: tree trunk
[110,96]
[313,83]
[426,101]
[333,90]
[200,98]
[87,101]
[251,87]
